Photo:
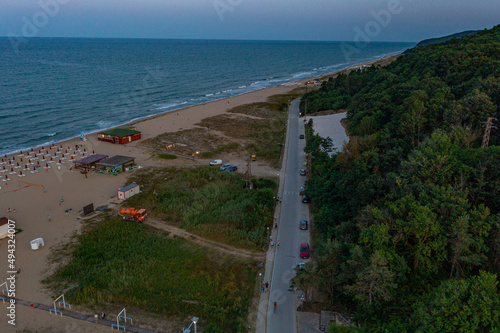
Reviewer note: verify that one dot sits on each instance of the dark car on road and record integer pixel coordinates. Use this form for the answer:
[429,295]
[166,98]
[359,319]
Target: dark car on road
[232,168]
[301,136]
[225,166]
[304,250]
[302,172]
[305,199]
[303,225]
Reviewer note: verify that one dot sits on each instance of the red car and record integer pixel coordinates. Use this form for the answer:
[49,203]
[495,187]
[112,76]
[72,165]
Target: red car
[304,250]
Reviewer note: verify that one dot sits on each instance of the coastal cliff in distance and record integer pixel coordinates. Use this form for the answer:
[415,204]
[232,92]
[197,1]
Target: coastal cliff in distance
[446,38]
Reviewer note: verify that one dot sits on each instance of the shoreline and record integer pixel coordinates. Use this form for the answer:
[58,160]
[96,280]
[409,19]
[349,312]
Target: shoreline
[292,84]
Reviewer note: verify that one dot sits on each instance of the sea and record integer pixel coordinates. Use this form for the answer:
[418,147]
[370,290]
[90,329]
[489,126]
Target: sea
[53,89]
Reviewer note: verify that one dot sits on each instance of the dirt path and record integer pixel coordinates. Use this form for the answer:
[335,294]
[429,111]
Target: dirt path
[174,231]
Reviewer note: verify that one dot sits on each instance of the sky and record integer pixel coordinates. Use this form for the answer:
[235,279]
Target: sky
[316,20]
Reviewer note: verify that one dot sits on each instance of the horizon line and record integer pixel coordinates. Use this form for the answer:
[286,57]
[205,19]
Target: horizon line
[208,39]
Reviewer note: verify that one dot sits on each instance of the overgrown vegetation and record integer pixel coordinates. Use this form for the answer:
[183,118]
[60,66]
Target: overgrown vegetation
[408,215]
[255,128]
[166,156]
[225,148]
[209,202]
[123,263]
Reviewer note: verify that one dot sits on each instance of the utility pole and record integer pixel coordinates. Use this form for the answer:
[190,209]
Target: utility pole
[487,131]
[305,108]
[248,174]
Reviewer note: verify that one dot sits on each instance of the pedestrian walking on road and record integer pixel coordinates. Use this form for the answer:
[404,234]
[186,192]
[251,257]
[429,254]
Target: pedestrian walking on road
[278,244]
[272,244]
[95,317]
[267,286]
[103,315]
[263,287]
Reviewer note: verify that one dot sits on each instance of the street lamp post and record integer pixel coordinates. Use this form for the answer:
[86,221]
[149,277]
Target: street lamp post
[194,320]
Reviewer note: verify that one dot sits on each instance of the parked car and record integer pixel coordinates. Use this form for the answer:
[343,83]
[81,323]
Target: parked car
[225,166]
[301,136]
[302,172]
[232,168]
[216,162]
[305,199]
[303,225]
[304,250]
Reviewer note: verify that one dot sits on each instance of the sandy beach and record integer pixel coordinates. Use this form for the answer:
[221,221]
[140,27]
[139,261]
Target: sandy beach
[34,204]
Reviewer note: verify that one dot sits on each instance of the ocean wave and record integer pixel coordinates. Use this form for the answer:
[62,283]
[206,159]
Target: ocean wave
[104,124]
[301,74]
[168,105]
[50,134]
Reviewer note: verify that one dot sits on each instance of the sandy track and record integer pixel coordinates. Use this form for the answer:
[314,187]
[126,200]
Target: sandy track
[178,232]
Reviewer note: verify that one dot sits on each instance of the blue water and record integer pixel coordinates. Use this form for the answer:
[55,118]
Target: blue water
[51,89]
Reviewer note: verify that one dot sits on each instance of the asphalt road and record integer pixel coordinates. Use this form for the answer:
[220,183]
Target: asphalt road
[289,235]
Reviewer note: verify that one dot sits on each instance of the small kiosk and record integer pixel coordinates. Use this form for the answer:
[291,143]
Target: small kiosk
[89,162]
[128,191]
[119,135]
[116,164]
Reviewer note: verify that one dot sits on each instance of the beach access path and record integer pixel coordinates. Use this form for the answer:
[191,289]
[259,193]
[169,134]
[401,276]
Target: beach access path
[178,232]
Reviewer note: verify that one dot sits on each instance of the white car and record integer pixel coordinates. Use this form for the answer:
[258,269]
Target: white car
[216,162]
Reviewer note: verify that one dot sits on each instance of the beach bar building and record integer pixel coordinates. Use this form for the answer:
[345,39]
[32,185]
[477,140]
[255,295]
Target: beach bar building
[116,164]
[119,135]
[128,191]
[4,227]
[89,162]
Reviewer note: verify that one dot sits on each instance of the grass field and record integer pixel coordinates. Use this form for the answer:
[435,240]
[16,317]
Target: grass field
[124,263]
[209,202]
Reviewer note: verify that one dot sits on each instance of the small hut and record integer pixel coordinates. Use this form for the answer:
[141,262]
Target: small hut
[116,164]
[119,135]
[89,162]
[128,191]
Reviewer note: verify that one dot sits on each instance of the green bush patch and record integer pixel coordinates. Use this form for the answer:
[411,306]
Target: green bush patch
[122,263]
[209,202]
[166,156]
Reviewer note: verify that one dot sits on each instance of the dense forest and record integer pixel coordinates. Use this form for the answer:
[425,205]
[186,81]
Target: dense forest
[446,38]
[407,215]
